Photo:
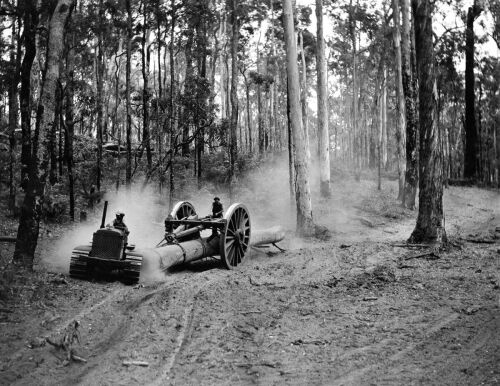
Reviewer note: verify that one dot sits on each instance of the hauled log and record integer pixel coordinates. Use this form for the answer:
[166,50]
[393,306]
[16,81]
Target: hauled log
[185,252]
[267,236]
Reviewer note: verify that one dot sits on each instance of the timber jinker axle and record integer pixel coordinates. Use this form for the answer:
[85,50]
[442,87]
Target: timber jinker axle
[230,239]
[183,243]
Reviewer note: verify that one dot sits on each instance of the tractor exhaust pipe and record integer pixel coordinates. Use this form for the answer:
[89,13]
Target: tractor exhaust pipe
[103,222]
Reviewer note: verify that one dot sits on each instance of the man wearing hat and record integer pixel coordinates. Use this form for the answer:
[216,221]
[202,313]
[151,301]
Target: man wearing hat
[119,224]
[217,209]
[217,212]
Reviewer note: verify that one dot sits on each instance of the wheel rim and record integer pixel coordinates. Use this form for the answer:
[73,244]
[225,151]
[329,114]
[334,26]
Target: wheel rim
[182,210]
[235,239]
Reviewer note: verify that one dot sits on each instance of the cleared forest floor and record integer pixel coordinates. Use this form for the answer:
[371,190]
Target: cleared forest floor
[357,309]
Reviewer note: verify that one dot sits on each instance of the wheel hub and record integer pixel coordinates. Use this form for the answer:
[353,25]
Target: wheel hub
[239,236]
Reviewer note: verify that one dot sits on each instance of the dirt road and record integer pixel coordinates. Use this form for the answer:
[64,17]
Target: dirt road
[357,309]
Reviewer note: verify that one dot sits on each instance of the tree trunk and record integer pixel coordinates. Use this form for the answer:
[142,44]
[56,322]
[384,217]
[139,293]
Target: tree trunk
[202,113]
[471,138]
[429,227]
[145,56]
[188,85]
[496,146]
[128,165]
[291,177]
[408,81]
[99,68]
[30,23]
[355,134]
[305,224]
[260,118]
[27,234]
[172,104]
[249,115]
[70,124]
[380,138]
[323,135]
[52,138]
[303,95]
[158,51]
[213,67]
[400,103]
[223,69]
[233,146]
[118,67]
[15,62]
[383,106]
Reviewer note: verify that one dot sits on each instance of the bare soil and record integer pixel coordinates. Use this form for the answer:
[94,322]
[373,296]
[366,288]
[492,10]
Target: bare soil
[360,308]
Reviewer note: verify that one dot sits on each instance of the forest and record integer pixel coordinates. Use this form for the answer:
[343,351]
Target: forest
[347,122]
[100,95]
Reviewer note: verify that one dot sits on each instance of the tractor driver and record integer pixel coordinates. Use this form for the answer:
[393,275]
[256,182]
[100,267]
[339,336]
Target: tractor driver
[119,224]
[217,209]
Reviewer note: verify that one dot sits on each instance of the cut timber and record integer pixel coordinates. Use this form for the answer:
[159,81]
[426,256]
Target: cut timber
[267,236]
[185,252]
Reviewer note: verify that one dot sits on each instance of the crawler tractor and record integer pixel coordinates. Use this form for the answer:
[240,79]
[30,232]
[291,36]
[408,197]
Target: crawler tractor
[107,253]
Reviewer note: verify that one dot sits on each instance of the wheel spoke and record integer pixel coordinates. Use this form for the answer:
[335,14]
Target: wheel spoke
[232,254]
[240,215]
[242,252]
[236,256]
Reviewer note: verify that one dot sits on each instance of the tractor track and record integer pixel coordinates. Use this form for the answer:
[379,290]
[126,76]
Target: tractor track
[179,298]
[184,335]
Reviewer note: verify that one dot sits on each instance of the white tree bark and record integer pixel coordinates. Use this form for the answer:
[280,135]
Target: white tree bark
[46,114]
[383,106]
[305,224]
[400,107]
[323,135]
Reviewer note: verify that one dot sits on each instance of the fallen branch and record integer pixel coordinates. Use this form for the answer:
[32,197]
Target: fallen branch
[402,266]
[280,249]
[366,222]
[405,245]
[250,312]
[481,241]
[299,342]
[426,254]
[135,363]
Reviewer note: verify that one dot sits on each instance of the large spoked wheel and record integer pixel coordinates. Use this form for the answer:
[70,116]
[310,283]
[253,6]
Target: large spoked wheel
[235,240]
[182,210]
